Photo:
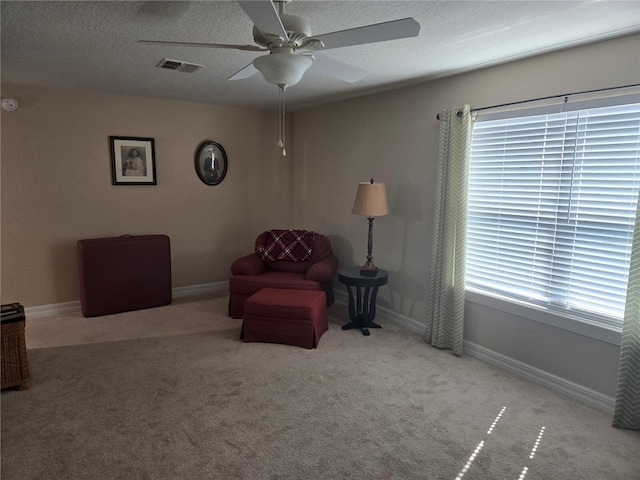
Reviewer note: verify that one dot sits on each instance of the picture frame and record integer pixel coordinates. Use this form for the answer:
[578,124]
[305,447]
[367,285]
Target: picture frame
[211,162]
[133,160]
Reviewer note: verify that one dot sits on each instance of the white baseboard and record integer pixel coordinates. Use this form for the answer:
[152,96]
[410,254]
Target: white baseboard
[66,308]
[74,307]
[204,288]
[586,396]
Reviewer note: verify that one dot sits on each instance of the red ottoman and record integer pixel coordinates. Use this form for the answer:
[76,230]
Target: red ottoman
[293,317]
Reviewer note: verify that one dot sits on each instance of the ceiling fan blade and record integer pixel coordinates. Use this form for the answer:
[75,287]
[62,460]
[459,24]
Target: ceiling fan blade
[337,69]
[264,15]
[250,48]
[245,72]
[378,32]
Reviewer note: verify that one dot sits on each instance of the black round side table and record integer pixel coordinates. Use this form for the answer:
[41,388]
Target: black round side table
[362,308]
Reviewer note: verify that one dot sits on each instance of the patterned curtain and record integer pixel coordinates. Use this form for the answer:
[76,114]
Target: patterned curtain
[445,297]
[627,413]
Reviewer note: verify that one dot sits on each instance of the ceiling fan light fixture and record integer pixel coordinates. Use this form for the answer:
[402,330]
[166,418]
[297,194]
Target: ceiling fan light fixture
[283,68]
[285,35]
[296,28]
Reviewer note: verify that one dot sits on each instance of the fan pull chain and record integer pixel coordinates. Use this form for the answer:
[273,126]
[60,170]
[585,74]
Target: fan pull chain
[281,121]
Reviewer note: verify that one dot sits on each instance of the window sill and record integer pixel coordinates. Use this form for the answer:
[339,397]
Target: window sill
[538,314]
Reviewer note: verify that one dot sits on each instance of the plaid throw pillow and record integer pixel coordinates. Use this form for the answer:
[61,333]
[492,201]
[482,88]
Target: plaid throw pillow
[293,245]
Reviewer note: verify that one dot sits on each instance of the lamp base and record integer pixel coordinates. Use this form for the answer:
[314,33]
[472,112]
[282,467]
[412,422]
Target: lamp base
[369,269]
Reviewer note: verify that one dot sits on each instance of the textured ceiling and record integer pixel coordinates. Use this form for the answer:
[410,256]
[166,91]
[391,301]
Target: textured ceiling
[93,45]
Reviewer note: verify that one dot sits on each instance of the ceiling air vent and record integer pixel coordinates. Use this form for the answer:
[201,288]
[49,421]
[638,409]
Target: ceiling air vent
[179,66]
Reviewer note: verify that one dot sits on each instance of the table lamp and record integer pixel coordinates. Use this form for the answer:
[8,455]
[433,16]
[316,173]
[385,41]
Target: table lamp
[371,200]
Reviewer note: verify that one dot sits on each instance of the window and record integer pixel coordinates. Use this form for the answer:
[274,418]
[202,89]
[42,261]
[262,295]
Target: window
[552,206]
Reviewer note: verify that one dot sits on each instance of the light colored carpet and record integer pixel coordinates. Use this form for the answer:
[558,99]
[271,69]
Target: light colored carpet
[172,393]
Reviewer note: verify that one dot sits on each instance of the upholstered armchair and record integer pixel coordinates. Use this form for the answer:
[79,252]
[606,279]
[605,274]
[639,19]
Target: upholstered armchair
[285,259]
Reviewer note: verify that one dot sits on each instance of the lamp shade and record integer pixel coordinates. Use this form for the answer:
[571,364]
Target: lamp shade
[371,200]
[283,68]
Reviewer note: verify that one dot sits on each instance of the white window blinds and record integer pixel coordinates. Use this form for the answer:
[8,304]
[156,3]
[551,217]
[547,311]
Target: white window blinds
[552,205]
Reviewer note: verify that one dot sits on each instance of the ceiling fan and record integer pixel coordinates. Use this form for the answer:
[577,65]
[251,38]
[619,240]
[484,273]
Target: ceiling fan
[289,41]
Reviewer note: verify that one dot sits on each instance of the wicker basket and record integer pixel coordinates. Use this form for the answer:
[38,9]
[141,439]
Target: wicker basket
[15,365]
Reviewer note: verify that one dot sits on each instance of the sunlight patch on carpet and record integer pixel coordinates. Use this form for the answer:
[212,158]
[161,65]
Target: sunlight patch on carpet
[495,422]
[525,470]
[476,452]
[472,457]
[535,446]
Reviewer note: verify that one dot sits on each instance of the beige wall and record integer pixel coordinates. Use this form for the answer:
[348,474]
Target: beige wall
[393,137]
[56,187]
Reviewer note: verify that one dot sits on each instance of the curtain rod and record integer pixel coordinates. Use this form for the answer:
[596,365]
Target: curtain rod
[566,95]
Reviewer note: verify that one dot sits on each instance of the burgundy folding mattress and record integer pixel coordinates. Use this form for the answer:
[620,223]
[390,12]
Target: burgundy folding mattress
[119,274]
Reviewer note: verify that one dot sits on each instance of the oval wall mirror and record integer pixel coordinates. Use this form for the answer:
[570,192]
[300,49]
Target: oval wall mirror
[211,162]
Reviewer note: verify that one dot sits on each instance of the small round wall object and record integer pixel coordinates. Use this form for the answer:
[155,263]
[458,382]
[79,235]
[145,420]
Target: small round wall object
[9,104]
[211,162]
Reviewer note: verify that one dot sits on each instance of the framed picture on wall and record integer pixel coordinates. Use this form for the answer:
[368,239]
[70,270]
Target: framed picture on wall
[133,161]
[211,162]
